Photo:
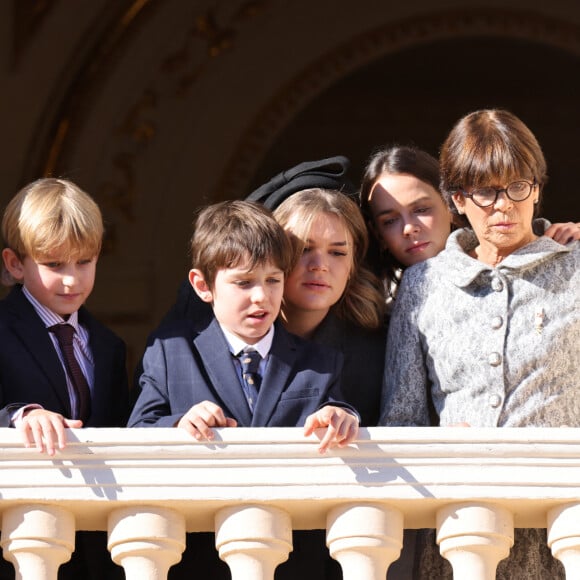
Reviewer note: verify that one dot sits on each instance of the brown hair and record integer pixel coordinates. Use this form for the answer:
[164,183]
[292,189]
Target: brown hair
[487,147]
[229,232]
[393,160]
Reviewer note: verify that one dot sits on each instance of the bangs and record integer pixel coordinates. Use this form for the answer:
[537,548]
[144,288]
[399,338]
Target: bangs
[487,146]
[66,234]
[257,253]
[496,159]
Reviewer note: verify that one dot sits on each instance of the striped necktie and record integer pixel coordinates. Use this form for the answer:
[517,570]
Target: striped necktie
[64,334]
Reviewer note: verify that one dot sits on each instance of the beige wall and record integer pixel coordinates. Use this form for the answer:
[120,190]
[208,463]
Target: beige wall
[158,106]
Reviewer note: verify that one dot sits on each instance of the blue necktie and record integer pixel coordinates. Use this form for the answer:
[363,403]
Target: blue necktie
[251,379]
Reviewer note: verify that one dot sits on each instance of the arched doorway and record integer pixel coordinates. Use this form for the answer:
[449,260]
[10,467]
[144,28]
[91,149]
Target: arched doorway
[416,94]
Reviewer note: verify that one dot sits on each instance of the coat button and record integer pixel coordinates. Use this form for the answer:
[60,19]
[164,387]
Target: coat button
[495,401]
[497,285]
[494,359]
[496,322]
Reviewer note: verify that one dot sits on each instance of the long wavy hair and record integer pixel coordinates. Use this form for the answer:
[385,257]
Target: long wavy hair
[362,301]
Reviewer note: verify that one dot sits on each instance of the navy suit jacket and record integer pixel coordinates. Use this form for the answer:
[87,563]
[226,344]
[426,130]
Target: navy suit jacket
[31,372]
[363,351]
[184,366]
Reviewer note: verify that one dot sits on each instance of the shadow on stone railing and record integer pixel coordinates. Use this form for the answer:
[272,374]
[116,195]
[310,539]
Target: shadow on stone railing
[147,487]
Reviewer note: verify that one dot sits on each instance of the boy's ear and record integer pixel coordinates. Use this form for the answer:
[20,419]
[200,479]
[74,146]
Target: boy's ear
[13,264]
[200,286]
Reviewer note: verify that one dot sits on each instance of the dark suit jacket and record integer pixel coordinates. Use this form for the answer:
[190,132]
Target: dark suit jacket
[363,351]
[31,372]
[184,366]
[301,376]
[364,362]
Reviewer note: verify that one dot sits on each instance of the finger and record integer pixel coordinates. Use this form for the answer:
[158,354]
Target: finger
[572,233]
[53,430]
[342,431]
[217,417]
[37,432]
[326,441]
[211,414]
[43,436]
[557,232]
[50,434]
[204,430]
[49,442]
[58,427]
[184,423]
[310,425]
[231,422]
[350,433]
[563,233]
[196,427]
[564,236]
[26,434]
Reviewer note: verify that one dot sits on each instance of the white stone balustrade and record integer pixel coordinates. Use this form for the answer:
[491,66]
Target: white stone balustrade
[147,487]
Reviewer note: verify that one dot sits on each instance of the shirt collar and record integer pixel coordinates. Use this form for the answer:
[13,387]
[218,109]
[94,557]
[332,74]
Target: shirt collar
[237,345]
[48,317]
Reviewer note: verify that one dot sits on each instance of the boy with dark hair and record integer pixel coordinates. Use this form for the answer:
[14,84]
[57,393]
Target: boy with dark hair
[198,379]
[242,367]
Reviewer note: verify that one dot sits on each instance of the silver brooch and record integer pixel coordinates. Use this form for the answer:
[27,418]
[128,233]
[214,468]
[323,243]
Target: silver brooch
[539,320]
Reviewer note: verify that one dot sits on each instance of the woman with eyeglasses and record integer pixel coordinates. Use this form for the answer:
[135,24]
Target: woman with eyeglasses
[488,331]
[407,217]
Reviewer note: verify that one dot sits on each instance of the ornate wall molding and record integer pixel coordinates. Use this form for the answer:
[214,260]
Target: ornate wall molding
[211,34]
[111,122]
[362,50]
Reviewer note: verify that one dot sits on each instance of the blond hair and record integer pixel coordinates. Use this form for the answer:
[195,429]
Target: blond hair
[52,213]
[362,301]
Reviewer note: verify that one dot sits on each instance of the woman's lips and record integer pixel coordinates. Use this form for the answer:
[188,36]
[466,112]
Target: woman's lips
[503,226]
[316,285]
[415,249]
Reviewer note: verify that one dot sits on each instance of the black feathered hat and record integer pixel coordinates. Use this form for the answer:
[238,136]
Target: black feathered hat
[326,174]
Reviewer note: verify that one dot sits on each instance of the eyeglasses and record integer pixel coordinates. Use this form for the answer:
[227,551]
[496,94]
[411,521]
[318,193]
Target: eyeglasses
[487,196]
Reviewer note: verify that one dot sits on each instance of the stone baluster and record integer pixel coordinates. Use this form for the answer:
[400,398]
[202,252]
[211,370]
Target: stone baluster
[365,539]
[564,537]
[253,540]
[474,538]
[146,541]
[37,540]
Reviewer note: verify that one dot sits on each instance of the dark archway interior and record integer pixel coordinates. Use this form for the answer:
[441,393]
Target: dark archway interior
[415,96]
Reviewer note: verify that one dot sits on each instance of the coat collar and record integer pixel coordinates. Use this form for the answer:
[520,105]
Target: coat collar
[281,361]
[463,270]
[212,347]
[28,326]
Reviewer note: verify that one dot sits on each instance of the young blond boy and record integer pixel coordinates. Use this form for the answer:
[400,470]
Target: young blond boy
[52,233]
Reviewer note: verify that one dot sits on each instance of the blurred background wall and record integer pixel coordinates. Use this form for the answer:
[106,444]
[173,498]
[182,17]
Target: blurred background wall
[156,107]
